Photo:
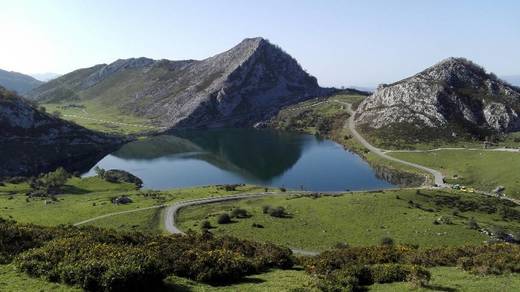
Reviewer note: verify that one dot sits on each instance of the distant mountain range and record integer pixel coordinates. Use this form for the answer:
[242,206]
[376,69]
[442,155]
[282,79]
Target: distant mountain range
[18,82]
[240,87]
[44,77]
[452,98]
[32,141]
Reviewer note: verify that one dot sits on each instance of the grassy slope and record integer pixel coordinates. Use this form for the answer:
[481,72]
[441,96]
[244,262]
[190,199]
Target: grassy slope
[91,197]
[358,219]
[97,111]
[481,169]
[453,279]
[13,281]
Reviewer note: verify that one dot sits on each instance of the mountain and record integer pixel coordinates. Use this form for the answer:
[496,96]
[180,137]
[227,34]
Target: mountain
[44,77]
[32,141]
[239,87]
[454,97]
[512,79]
[18,82]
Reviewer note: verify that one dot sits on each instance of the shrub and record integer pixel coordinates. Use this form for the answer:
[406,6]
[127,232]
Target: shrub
[205,225]
[121,176]
[341,245]
[472,224]
[387,241]
[352,277]
[278,212]
[49,183]
[92,265]
[224,218]
[239,213]
[230,188]
[491,263]
[265,209]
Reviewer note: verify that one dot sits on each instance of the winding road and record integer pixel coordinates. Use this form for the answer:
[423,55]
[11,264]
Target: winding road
[351,125]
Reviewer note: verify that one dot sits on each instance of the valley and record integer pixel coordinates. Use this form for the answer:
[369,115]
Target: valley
[240,172]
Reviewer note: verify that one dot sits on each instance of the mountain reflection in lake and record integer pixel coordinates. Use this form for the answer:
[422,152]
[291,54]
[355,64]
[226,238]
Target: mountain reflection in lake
[231,156]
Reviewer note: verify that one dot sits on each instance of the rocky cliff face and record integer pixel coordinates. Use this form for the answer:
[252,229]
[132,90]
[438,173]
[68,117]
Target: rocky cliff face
[239,87]
[32,141]
[454,93]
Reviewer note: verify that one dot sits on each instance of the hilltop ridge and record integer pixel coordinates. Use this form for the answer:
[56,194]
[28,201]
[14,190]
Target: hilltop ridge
[239,87]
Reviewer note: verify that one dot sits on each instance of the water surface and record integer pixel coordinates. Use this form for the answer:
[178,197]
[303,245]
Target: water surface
[233,156]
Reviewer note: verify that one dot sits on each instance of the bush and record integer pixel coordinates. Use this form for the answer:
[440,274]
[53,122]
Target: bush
[230,188]
[341,245]
[472,224]
[99,259]
[352,277]
[278,212]
[49,183]
[265,209]
[92,265]
[121,176]
[205,225]
[224,218]
[387,241]
[239,213]
[491,263]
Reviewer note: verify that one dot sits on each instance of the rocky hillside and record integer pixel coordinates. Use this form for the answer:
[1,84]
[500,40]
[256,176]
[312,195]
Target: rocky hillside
[18,82]
[32,141]
[454,96]
[239,87]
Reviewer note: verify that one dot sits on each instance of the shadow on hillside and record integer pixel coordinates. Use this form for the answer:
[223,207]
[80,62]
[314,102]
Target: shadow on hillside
[440,288]
[73,190]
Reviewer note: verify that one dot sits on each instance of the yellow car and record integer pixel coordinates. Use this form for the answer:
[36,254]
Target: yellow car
[471,190]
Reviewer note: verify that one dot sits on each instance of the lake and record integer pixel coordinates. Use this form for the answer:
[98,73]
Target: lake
[236,156]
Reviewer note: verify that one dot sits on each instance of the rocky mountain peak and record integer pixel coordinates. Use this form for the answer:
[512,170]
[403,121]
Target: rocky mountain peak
[454,93]
[239,87]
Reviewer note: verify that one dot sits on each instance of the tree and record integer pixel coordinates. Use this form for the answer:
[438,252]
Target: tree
[49,183]
[100,172]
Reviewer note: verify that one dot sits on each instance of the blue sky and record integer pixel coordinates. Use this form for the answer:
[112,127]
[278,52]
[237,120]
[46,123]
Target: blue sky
[360,43]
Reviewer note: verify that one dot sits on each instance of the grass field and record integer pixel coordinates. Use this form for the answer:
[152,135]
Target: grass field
[453,279]
[94,116]
[91,197]
[357,219]
[484,170]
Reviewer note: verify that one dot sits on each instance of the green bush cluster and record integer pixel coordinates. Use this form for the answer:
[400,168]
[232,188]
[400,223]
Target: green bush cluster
[352,278]
[332,260]
[118,176]
[106,260]
[223,218]
[347,269]
[49,183]
[278,212]
[239,213]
